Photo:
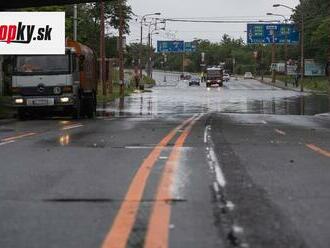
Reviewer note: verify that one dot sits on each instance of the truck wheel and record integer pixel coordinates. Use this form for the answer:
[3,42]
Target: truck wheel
[22,115]
[76,111]
[91,106]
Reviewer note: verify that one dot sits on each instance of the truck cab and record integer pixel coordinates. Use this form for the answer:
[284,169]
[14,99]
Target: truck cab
[54,83]
[214,76]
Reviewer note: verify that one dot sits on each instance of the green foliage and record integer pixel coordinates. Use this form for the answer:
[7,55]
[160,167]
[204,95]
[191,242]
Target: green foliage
[226,51]
[148,80]
[89,22]
[316,15]
[132,55]
[116,94]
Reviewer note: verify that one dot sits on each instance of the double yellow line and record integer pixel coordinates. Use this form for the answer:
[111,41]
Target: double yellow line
[157,232]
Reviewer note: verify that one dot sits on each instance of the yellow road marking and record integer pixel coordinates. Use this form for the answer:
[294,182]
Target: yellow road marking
[125,218]
[280,132]
[158,228]
[18,137]
[319,150]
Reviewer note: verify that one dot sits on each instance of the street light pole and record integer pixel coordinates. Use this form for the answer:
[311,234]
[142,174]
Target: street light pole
[151,50]
[141,41]
[286,43]
[121,52]
[102,49]
[150,33]
[75,21]
[302,44]
[302,64]
[273,58]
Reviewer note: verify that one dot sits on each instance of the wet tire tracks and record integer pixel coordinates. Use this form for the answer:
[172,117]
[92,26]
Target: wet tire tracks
[243,212]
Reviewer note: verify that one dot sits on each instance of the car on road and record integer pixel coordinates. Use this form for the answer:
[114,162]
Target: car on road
[185,76]
[194,81]
[248,75]
[226,77]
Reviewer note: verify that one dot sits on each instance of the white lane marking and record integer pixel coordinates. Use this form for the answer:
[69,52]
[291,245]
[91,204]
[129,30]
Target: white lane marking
[213,162]
[216,187]
[6,142]
[230,205]
[205,133]
[72,127]
[264,122]
[139,147]
[18,137]
[163,158]
[280,132]
[199,117]
[238,229]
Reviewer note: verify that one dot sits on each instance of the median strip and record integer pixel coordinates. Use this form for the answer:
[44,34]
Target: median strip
[158,228]
[125,219]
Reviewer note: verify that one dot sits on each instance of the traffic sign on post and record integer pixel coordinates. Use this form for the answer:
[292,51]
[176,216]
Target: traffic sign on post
[176,46]
[190,47]
[272,33]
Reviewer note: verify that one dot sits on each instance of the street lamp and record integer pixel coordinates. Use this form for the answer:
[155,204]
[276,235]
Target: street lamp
[141,38]
[154,23]
[151,50]
[286,42]
[302,64]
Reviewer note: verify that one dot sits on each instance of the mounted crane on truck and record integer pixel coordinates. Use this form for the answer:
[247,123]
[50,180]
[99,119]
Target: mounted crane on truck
[52,83]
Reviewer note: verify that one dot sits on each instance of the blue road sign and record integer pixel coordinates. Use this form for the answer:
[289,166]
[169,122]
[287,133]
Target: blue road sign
[272,33]
[166,46]
[190,47]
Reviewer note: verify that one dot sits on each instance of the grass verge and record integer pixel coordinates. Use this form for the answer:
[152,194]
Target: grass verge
[311,83]
[115,94]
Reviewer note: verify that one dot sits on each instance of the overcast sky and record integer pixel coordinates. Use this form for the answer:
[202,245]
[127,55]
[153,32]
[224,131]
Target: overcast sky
[211,9]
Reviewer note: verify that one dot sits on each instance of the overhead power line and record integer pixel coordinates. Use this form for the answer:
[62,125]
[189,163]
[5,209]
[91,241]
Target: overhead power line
[219,21]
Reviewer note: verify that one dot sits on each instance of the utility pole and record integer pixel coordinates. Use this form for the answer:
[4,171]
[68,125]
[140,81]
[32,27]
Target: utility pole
[328,69]
[75,21]
[286,42]
[302,62]
[262,62]
[141,41]
[149,54]
[140,49]
[286,52]
[183,60]
[110,76]
[121,52]
[273,58]
[102,50]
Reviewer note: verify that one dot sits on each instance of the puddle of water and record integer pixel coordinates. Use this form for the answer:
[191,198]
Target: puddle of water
[242,96]
[155,104]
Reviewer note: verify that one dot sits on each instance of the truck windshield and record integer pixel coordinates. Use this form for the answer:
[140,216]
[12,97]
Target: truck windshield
[44,64]
[214,73]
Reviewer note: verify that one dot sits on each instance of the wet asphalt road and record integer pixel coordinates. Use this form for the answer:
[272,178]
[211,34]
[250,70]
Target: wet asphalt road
[247,165]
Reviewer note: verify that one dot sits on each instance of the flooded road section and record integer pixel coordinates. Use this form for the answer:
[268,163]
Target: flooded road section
[175,97]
